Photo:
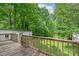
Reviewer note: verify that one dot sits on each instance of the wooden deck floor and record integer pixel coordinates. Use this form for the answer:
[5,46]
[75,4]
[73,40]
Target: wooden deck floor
[10,48]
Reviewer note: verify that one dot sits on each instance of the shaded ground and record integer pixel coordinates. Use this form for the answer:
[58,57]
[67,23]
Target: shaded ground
[10,48]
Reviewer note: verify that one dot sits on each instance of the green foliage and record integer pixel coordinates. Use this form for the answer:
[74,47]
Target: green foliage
[29,17]
[26,17]
[67,18]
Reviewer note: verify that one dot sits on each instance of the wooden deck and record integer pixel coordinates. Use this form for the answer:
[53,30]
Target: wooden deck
[10,48]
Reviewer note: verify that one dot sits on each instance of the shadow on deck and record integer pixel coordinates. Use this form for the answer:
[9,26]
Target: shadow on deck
[10,48]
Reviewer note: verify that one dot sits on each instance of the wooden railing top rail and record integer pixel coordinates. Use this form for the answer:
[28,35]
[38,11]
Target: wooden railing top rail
[54,39]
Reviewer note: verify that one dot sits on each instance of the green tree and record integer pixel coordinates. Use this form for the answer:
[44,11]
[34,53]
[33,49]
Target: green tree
[67,19]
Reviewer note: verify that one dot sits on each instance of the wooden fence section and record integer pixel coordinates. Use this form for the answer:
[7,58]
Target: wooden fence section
[50,46]
[14,37]
[4,36]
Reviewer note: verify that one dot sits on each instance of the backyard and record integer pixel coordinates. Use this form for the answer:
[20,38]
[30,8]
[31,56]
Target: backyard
[59,21]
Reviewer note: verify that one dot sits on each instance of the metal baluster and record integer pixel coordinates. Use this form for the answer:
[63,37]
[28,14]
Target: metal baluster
[44,44]
[53,47]
[47,47]
[25,41]
[68,48]
[33,41]
[36,42]
[50,47]
[40,45]
[73,49]
[58,47]
[62,49]
[78,49]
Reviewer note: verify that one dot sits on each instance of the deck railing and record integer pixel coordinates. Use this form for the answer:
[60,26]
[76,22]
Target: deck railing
[4,37]
[14,37]
[51,46]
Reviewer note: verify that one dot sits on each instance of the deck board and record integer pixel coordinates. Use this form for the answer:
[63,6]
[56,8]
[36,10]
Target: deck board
[10,48]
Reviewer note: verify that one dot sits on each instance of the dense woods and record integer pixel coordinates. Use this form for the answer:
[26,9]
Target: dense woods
[29,17]
[67,19]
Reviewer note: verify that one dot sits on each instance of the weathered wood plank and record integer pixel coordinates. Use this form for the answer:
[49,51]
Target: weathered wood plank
[10,48]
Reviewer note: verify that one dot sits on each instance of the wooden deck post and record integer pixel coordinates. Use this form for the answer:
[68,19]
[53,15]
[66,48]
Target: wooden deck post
[24,41]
